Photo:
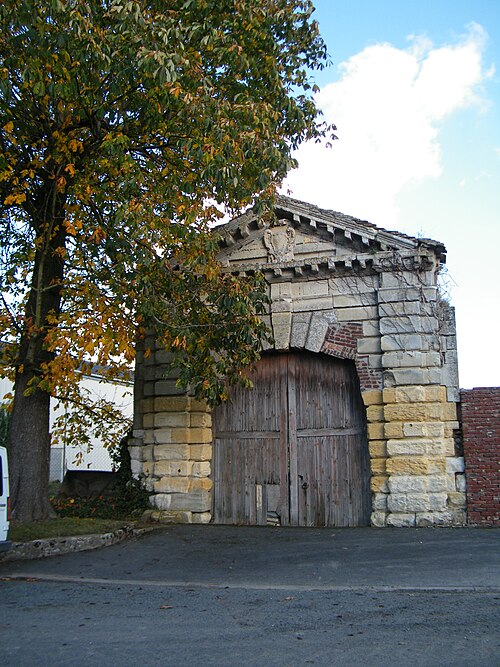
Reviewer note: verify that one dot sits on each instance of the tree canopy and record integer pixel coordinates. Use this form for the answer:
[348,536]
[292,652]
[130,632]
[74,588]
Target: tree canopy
[125,127]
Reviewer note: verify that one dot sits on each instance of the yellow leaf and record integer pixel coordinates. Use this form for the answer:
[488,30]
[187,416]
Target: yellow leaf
[15,199]
[8,127]
[70,168]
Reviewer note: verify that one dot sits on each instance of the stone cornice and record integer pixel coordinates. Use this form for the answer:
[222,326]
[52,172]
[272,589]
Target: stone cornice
[377,262]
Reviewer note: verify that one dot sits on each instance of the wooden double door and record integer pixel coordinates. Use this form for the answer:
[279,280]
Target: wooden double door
[293,450]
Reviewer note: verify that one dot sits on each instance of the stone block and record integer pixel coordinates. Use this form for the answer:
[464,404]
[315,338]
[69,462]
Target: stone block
[376,431]
[407,465]
[455,464]
[437,501]
[281,328]
[192,435]
[372,397]
[200,452]
[377,448]
[201,469]
[413,412]
[411,394]
[201,517]
[368,345]
[446,518]
[147,405]
[378,484]
[161,501]
[404,376]
[378,519]
[401,520]
[407,483]
[354,299]
[452,393]
[312,288]
[379,501]
[377,466]
[171,419]
[196,405]
[437,483]
[164,358]
[201,420]
[195,501]
[147,453]
[316,304]
[399,294]
[200,484]
[171,404]
[147,468]
[408,502]
[168,388]
[392,310]
[393,430]
[456,500]
[402,342]
[357,314]
[411,359]
[371,328]
[149,437]
[148,420]
[375,413]
[418,447]
[136,467]
[136,453]
[423,429]
[375,361]
[407,324]
[162,436]
[318,327]
[173,468]
[171,452]
[349,284]
[168,485]
[460,483]
[300,327]
[449,412]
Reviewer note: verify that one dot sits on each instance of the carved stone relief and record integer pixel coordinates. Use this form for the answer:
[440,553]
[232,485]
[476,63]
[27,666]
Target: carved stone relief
[280,244]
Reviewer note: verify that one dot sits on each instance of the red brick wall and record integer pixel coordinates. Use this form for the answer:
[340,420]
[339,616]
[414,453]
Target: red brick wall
[481,439]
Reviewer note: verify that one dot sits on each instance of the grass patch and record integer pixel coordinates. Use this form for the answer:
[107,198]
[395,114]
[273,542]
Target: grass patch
[61,527]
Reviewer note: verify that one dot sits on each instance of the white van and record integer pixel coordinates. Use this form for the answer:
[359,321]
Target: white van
[4,501]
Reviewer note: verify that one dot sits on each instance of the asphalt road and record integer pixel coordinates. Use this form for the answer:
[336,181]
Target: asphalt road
[215,595]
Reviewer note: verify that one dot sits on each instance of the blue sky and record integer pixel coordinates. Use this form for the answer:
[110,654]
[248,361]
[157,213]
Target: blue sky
[414,90]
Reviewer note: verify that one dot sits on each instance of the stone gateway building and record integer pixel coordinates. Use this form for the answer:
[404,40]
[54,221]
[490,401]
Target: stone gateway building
[353,416]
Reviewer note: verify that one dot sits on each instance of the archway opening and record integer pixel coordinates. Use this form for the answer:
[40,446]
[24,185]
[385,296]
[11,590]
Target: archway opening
[293,450]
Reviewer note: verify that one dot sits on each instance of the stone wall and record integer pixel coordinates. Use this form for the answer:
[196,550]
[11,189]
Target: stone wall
[481,443]
[171,448]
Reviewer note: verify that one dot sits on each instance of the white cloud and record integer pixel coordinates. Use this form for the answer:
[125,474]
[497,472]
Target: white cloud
[388,105]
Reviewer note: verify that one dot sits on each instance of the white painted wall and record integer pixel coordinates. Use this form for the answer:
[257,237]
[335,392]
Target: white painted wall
[62,458]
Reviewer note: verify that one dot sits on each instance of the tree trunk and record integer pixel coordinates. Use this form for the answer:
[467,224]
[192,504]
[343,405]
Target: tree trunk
[29,453]
[29,438]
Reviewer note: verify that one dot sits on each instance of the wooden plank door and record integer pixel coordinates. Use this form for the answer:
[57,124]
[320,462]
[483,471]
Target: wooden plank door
[250,460]
[329,444]
[293,450]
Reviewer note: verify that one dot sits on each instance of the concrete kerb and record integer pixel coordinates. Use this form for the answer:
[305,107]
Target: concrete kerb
[57,546]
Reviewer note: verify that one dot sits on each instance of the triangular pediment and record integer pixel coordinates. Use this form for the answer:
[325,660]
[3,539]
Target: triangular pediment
[302,234]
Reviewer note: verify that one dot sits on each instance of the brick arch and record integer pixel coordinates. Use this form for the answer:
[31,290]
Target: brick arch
[341,341]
